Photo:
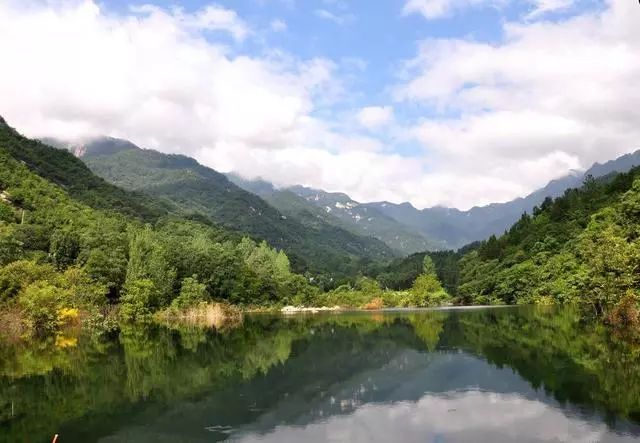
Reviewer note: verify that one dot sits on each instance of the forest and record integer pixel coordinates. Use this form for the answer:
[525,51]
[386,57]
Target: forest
[76,249]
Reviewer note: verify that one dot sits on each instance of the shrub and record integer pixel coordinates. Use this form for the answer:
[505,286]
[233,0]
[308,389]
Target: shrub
[42,304]
[18,275]
[191,293]
[138,299]
[374,304]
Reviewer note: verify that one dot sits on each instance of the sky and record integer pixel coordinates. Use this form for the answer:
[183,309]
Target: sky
[437,102]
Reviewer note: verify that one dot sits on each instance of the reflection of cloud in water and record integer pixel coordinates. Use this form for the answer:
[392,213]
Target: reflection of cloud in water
[471,416]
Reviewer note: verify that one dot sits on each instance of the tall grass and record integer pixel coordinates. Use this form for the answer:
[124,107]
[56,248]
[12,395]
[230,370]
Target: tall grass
[216,315]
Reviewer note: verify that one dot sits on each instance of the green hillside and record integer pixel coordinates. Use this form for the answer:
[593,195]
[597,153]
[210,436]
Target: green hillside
[63,169]
[60,256]
[318,246]
[579,248]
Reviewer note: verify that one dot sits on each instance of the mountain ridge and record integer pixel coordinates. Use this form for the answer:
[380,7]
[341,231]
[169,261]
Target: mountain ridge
[452,228]
[193,188]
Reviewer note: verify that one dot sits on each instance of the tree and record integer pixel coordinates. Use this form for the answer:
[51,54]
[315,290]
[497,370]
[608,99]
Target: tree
[138,299]
[191,293]
[64,248]
[428,267]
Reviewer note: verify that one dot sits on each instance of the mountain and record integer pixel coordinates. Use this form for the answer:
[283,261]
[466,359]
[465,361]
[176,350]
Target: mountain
[409,230]
[457,228]
[192,188]
[63,169]
[581,248]
[339,210]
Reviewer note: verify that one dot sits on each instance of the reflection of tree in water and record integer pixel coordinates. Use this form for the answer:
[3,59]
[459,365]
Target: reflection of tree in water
[428,327]
[296,365]
[555,350]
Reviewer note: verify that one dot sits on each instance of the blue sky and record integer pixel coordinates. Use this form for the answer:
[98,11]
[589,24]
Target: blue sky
[436,102]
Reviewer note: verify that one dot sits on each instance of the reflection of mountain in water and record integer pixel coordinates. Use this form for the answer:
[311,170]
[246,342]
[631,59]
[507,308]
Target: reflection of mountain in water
[347,386]
[482,375]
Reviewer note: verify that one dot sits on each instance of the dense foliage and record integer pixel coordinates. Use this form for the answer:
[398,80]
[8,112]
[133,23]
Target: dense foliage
[314,245]
[58,257]
[579,248]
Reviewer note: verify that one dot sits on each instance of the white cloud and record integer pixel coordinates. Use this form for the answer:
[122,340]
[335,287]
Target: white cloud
[209,18]
[339,19]
[375,116]
[552,96]
[503,118]
[278,25]
[541,7]
[149,77]
[432,9]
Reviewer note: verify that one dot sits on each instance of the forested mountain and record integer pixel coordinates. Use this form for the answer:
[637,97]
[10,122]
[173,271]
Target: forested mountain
[63,169]
[455,228]
[409,230]
[312,244]
[580,248]
[339,210]
[64,252]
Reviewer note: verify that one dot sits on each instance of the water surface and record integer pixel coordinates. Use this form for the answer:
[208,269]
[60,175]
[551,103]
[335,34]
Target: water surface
[490,375]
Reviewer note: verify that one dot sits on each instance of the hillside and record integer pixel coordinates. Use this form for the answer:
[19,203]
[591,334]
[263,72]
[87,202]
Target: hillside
[579,248]
[65,170]
[318,247]
[457,228]
[58,254]
[339,210]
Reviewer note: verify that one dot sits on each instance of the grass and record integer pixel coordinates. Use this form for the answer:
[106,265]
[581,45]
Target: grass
[216,315]
[12,324]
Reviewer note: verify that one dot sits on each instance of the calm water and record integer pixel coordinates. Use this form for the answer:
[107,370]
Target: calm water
[490,375]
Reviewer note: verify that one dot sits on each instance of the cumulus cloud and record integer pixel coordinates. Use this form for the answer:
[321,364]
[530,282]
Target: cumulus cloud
[503,118]
[151,77]
[375,116]
[278,25]
[432,9]
[552,96]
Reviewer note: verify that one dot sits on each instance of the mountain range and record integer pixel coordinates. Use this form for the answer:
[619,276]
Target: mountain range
[407,229]
[192,189]
[282,215]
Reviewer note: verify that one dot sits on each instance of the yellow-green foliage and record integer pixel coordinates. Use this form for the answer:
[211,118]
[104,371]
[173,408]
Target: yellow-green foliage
[580,249]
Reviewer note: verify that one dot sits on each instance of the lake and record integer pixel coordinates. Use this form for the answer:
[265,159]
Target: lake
[477,375]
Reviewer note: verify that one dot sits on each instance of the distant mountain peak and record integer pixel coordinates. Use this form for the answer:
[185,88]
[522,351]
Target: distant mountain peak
[93,146]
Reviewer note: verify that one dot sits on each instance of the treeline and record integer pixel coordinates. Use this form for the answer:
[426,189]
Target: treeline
[581,248]
[75,248]
[61,258]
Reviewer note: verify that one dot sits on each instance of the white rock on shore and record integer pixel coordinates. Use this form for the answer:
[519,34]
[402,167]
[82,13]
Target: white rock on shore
[297,309]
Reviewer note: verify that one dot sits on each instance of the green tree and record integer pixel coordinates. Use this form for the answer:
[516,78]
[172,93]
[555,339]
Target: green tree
[191,293]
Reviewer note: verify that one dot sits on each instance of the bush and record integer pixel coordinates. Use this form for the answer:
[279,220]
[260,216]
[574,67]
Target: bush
[138,300]
[18,275]
[427,291]
[191,293]
[42,304]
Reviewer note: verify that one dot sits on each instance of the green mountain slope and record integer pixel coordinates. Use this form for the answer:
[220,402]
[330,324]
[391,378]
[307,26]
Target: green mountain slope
[339,210]
[318,247]
[63,169]
[59,254]
[579,248]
